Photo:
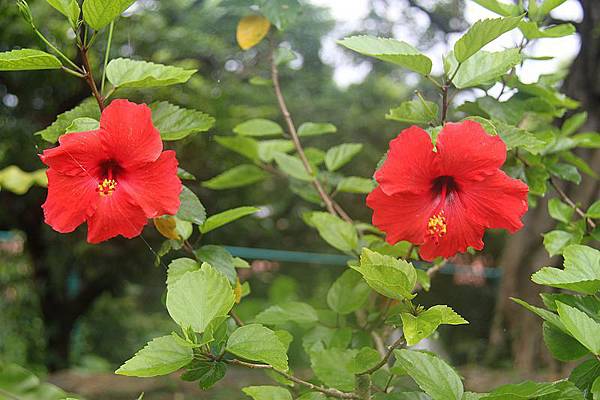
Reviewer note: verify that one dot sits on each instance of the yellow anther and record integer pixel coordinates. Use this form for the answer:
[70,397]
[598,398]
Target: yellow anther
[437,226]
[106,187]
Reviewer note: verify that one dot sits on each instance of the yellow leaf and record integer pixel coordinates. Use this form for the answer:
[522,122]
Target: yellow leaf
[251,30]
[167,226]
[237,290]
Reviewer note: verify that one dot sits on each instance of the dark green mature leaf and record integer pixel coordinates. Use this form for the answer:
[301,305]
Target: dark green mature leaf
[348,293]
[218,220]
[566,172]
[256,343]
[68,8]
[485,67]
[546,315]
[258,127]
[432,374]
[338,233]
[481,33]
[499,7]
[581,272]
[584,375]
[267,393]
[365,359]
[414,112]
[220,259]
[565,391]
[292,166]
[128,73]
[580,326]
[207,373]
[191,209]
[245,146]
[523,390]
[99,13]
[174,122]
[238,176]
[355,184]
[161,356]
[88,108]
[280,12]
[562,346]
[334,367]
[198,297]
[338,156]
[391,50]
[27,60]
[293,311]
[315,129]
[537,179]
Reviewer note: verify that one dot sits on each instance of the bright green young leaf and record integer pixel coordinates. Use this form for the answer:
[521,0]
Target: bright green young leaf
[27,60]
[581,272]
[390,50]
[268,148]
[258,127]
[198,297]
[531,30]
[68,8]
[485,67]
[128,73]
[549,5]
[481,33]
[562,346]
[207,373]
[254,342]
[580,326]
[594,210]
[99,13]
[338,156]
[559,210]
[348,293]
[391,277]
[335,231]
[245,146]
[161,356]
[178,267]
[267,393]
[14,179]
[334,367]
[499,7]
[283,313]
[414,112]
[238,176]
[556,241]
[174,122]
[521,391]
[315,129]
[190,209]
[589,140]
[432,374]
[218,220]
[573,123]
[82,124]
[355,184]
[88,109]
[417,328]
[292,166]
[314,156]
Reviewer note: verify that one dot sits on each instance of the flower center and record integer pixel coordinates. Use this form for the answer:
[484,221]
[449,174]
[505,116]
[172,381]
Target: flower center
[106,187]
[436,227]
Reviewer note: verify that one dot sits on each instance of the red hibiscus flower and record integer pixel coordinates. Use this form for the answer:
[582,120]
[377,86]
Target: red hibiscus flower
[115,177]
[444,198]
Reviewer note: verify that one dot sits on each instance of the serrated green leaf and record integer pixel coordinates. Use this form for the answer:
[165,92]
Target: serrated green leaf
[555,241]
[174,122]
[128,73]
[178,267]
[355,184]
[485,67]
[99,13]
[241,175]
[218,220]
[27,60]
[499,7]
[559,210]
[580,326]
[338,156]
[334,367]
[207,373]
[414,112]
[219,258]
[338,233]
[68,8]
[88,108]
[417,328]
[82,124]
[348,293]
[258,127]
[584,374]
[390,50]
[292,166]
[256,343]
[562,346]
[292,311]
[481,33]
[594,210]
[190,209]
[267,393]
[161,356]
[315,129]
[531,30]
[521,391]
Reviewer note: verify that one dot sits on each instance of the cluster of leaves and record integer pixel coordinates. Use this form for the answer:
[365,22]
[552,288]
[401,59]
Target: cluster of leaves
[18,383]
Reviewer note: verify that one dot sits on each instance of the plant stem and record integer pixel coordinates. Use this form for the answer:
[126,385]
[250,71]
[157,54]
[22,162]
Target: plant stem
[236,318]
[74,73]
[107,55]
[398,343]
[571,203]
[56,50]
[89,78]
[444,102]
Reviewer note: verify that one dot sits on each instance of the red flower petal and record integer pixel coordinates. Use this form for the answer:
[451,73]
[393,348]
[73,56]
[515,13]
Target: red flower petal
[402,216]
[410,163]
[466,150]
[115,214]
[498,201]
[70,200]
[79,153]
[128,135]
[155,187]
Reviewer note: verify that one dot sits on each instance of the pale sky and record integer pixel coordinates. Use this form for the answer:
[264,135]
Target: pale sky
[349,14]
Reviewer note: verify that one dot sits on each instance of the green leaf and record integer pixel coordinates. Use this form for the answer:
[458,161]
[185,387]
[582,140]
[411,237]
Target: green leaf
[589,140]
[432,374]
[584,374]
[531,30]
[174,122]
[218,220]
[335,231]
[315,156]
[238,176]
[485,67]
[559,210]
[68,8]
[127,73]
[523,390]
[178,267]
[414,112]
[27,60]
[245,146]
[594,210]
[258,127]
[292,311]
[14,179]
[566,172]
[334,367]
[580,326]
[267,393]
[556,241]
[481,33]
[537,179]
[355,184]
[348,293]
[83,124]
[562,346]
[292,166]
[99,13]
[391,277]
[390,50]
[161,356]
[256,343]
[268,148]
[548,5]
[281,13]
[581,272]
[417,328]
[546,315]
[365,359]
[88,108]
[499,7]
[198,297]
[338,156]
[219,258]
[191,209]
[207,373]
[315,129]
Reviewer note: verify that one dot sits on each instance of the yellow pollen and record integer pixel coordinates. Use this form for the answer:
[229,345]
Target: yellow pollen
[436,227]
[106,187]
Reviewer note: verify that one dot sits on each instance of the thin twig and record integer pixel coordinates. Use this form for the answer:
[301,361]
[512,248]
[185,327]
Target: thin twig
[571,203]
[398,343]
[89,78]
[236,318]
